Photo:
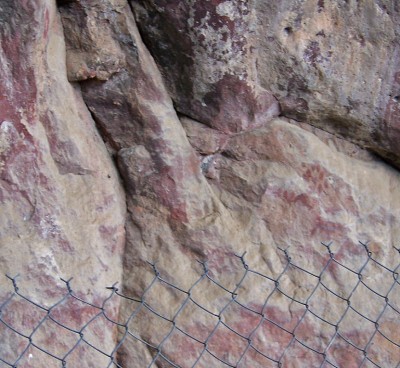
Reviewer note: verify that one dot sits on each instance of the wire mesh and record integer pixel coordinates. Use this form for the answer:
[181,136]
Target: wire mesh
[337,317]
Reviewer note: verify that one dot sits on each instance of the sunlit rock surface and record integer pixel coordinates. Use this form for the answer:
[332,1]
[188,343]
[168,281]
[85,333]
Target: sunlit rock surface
[226,127]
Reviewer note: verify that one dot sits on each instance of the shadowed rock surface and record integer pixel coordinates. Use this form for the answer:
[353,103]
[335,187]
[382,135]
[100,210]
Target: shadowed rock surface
[335,65]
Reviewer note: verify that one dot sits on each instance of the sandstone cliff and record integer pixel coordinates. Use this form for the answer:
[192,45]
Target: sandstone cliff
[171,131]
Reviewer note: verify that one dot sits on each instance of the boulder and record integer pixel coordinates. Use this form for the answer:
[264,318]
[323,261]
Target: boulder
[334,65]
[206,52]
[285,186]
[198,192]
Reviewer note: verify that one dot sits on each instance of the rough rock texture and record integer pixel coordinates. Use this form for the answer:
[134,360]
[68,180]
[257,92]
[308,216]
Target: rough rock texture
[62,208]
[335,64]
[208,169]
[275,185]
[206,51]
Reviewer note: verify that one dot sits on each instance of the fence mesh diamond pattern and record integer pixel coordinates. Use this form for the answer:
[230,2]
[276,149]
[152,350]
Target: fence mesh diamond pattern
[340,316]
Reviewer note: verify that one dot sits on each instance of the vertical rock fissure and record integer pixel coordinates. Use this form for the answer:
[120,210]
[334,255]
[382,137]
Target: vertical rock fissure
[156,162]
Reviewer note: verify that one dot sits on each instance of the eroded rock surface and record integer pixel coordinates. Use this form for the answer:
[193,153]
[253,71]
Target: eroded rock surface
[62,208]
[206,52]
[333,64]
[208,169]
[336,65]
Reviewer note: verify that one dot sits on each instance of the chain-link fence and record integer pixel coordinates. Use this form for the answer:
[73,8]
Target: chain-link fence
[338,317]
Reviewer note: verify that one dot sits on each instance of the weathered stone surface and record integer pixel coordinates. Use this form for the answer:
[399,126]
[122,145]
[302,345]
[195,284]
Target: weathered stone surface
[159,167]
[333,64]
[338,62]
[283,185]
[62,208]
[206,51]
[272,186]
[99,57]
[230,181]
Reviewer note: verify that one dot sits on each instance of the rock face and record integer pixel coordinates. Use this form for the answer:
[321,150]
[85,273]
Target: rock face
[62,208]
[336,65]
[333,64]
[206,50]
[209,169]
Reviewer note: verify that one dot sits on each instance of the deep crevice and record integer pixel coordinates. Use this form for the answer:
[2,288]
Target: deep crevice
[112,147]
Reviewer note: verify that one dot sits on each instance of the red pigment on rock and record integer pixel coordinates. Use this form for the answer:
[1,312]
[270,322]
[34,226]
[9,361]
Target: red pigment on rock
[232,105]
[46,24]
[334,193]
[312,54]
[325,229]
[23,94]
[391,126]
[292,197]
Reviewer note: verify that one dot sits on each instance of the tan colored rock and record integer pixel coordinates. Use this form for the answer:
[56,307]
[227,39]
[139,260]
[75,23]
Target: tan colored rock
[282,186]
[242,184]
[204,140]
[62,208]
[278,185]
[336,65]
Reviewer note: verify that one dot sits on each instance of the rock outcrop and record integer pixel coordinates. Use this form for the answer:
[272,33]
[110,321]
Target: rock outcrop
[207,53]
[335,65]
[332,64]
[62,207]
[235,127]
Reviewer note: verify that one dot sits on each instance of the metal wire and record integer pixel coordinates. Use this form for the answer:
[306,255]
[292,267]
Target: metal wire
[284,341]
